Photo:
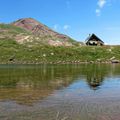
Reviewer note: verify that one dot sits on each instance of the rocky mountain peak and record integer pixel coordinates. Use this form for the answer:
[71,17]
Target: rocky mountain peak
[29,30]
[27,23]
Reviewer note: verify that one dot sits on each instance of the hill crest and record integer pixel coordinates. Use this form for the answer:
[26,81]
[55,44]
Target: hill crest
[34,32]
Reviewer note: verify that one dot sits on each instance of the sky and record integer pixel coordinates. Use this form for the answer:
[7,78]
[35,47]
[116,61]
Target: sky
[75,18]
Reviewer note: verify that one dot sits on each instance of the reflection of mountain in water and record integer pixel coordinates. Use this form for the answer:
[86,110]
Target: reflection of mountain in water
[28,84]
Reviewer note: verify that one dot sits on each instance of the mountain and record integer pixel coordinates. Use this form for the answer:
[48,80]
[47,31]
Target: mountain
[34,32]
[30,31]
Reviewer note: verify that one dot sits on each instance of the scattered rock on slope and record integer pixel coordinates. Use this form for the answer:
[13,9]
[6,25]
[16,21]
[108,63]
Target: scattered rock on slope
[42,34]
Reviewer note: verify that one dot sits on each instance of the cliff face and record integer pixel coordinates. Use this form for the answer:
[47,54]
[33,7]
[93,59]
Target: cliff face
[40,33]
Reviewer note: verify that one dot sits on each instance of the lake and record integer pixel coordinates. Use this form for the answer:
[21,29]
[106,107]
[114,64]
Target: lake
[60,92]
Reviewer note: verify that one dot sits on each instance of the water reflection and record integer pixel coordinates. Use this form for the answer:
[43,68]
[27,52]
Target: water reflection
[30,83]
[48,92]
[95,76]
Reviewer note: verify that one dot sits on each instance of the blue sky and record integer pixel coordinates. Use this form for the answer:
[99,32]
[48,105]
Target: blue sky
[76,18]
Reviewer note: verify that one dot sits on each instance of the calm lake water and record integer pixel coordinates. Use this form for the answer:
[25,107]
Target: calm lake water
[60,92]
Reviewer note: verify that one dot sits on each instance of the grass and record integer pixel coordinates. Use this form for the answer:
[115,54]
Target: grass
[38,51]
[12,28]
[10,49]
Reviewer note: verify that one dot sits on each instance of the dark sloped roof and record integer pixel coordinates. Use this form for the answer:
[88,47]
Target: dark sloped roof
[93,36]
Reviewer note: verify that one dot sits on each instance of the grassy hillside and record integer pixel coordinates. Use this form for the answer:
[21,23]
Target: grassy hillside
[7,29]
[39,36]
[42,34]
[12,52]
[19,46]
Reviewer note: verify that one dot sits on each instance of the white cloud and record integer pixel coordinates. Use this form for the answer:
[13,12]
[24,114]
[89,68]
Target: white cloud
[101,3]
[56,26]
[66,27]
[98,12]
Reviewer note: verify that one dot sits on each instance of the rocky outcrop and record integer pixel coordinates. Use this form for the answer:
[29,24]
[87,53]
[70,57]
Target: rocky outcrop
[42,33]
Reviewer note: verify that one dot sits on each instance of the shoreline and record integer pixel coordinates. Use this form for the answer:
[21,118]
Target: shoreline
[59,63]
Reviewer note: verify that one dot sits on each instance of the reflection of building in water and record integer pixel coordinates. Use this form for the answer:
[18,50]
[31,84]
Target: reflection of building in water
[95,78]
[27,85]
[94,82]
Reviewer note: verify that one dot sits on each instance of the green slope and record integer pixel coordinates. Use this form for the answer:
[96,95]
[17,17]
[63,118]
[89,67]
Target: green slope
[12,52]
